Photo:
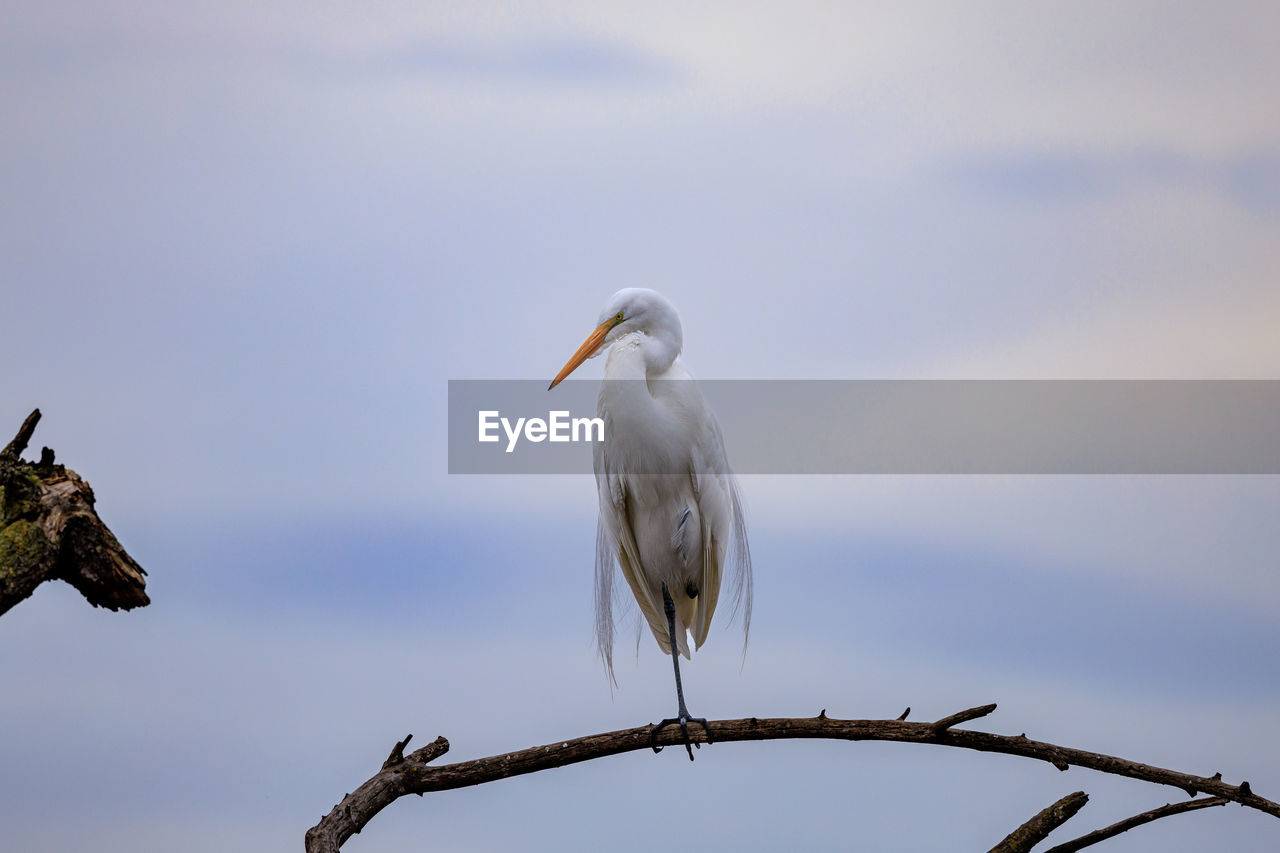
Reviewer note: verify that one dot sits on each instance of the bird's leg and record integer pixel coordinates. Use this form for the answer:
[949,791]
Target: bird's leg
[682,717]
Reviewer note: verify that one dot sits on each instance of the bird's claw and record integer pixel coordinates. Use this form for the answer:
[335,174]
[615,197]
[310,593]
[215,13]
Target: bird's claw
[683,721]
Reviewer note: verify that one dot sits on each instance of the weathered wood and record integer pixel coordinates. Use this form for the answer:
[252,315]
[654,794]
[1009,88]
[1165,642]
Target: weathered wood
[49,530]
[959,717]
[1137,820]
[412,775]
[1037,829]
[14,448]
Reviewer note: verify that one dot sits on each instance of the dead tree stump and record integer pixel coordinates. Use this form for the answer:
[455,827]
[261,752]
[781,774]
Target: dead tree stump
[50,531]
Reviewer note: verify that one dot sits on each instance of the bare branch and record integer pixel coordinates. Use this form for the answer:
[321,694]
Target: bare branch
[414,776]
[1137,820]
[1035,830]
[962,717]
[358,808]
[435,749]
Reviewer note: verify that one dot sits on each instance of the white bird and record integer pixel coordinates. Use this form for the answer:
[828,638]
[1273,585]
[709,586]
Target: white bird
[669,505]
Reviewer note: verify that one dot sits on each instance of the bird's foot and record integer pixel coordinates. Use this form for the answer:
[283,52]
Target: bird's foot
[683,721]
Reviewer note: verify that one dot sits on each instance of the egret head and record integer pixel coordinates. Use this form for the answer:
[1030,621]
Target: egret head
[633,309]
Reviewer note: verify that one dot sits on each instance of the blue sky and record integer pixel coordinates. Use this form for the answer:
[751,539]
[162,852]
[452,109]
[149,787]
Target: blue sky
[246,248]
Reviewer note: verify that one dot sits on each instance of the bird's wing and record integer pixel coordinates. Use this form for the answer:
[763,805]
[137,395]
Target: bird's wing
[724,533]
[615,538]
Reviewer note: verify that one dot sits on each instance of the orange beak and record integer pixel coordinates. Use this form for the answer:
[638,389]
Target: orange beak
[588,349]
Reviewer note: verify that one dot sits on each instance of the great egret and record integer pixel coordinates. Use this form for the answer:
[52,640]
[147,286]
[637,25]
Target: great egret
[669,505]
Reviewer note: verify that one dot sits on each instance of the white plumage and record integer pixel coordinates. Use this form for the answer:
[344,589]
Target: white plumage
[670,512]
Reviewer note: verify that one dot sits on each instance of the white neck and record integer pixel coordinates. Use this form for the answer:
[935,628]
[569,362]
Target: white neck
[639,356]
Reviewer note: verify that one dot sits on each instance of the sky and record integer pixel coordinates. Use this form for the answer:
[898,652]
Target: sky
[244,249]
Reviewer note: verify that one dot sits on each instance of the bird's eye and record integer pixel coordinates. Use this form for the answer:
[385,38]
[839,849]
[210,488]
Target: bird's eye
[617,318]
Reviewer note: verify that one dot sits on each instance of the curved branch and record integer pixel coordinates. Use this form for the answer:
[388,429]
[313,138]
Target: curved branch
[412,775]
[1137,820]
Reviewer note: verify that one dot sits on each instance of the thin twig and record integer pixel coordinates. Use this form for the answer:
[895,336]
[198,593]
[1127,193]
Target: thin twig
[414,776]
[1035,830]
[1137,820]
[962,717]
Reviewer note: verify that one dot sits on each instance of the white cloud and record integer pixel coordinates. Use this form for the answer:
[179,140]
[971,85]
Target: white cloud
[1213,334]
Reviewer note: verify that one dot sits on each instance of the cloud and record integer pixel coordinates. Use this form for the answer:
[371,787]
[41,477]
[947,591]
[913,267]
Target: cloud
[1250,180]
[1187,332]
[559,61]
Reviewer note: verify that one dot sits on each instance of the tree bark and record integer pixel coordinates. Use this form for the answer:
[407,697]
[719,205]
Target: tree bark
[402,775]
[1129,823]
[50,531]
[1031,833]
